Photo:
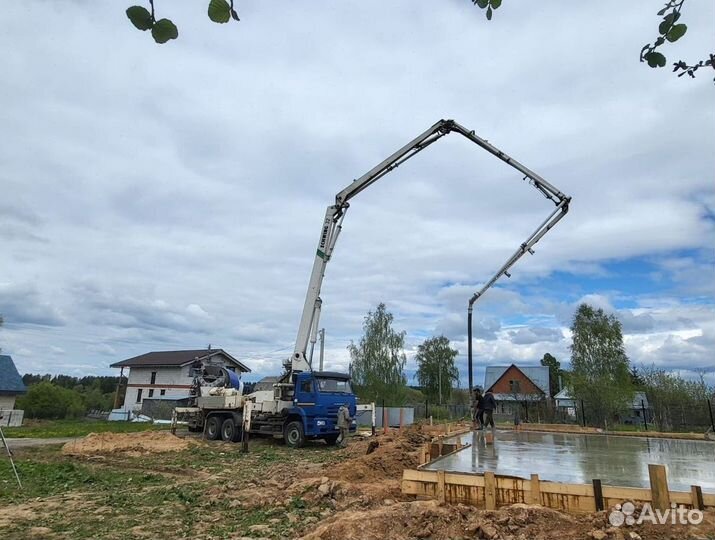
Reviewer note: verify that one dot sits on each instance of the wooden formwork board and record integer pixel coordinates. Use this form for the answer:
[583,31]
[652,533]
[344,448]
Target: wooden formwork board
[471,488]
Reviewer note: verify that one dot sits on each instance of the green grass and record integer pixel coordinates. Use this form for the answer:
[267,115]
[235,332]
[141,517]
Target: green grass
[175,494]
[49,429]
[42,478]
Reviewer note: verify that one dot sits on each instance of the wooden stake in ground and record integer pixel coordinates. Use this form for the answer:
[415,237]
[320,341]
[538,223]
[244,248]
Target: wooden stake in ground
[9,454]
[659,487]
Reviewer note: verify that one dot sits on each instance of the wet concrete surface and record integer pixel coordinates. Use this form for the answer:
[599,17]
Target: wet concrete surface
[577,458]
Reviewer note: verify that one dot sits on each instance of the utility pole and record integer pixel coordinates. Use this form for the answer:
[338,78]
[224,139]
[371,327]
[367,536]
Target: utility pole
[439,380]
[322,347]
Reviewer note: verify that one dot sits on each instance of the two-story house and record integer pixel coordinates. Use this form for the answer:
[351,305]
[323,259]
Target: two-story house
[168,374]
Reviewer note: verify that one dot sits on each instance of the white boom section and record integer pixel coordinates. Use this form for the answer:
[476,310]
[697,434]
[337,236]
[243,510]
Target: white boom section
[335,214]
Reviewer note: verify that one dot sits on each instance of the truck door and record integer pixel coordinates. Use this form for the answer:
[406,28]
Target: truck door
[306,395]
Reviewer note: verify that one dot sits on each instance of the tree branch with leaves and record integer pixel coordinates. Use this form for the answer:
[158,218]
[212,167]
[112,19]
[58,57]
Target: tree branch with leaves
[163,30]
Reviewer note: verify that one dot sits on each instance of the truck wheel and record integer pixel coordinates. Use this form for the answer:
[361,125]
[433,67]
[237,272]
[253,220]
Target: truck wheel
[294,435]
[213,428]
[229,431]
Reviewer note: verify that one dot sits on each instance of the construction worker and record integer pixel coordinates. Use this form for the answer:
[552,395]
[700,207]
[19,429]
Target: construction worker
[488,405]
[477,409]
[343,424]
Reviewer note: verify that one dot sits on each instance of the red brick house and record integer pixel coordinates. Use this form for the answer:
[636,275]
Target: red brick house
[517,387]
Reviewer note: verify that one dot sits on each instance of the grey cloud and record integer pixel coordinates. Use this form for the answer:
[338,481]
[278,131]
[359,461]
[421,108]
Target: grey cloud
[636,323]
[125,310]
[23,303]
[527,336]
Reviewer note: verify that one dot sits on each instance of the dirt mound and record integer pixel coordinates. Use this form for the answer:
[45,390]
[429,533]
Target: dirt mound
[428,519]
[394,454]
[131,443]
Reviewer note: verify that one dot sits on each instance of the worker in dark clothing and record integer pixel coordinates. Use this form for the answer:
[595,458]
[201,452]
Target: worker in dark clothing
[489,404]
[477,409]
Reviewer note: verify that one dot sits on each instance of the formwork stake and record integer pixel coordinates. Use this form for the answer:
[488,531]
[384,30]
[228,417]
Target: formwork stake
[659,487]
[490,490]
[697,495]
[535,489]
[598,494]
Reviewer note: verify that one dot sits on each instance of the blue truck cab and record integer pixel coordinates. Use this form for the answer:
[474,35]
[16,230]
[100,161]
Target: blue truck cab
[317,396]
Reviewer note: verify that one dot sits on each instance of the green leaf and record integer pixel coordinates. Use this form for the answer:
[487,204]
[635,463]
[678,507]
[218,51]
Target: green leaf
[140,17]
[164,30]
[482,3]
[675,33]
[489,13]
[655,59]
[219,11]
[495,3]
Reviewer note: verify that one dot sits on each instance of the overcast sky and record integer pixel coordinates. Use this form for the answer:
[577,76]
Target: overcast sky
[171,197]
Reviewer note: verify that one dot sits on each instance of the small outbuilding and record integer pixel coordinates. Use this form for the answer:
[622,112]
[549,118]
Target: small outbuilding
[11,386]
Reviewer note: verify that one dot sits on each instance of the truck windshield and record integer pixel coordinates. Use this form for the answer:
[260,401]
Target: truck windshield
[334,385]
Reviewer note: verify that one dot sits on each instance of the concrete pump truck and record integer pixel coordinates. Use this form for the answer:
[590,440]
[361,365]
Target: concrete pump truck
[303,403]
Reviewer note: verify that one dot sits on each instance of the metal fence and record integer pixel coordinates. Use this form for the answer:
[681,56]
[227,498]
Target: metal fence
[161,409]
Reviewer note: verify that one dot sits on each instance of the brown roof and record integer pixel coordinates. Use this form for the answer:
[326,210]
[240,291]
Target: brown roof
[176,358]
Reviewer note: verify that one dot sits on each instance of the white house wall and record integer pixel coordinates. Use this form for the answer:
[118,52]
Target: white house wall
[176,381]
[7,403]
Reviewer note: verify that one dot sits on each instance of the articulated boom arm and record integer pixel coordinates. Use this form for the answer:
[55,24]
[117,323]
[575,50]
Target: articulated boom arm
[334,215]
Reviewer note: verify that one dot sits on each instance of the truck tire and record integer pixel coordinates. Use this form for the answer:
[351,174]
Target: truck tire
[213,428]
[229,431]
[294,435]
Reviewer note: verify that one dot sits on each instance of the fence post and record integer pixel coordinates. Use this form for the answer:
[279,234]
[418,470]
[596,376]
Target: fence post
[659,487]
[426,409]
[645,418]
[373,418]
[583,414]
[385,417]
[710,410]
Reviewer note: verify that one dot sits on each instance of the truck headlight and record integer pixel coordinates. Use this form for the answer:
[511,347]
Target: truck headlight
[320,422]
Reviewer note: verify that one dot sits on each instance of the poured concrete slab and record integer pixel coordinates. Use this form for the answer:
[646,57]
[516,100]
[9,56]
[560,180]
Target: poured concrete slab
[578,458]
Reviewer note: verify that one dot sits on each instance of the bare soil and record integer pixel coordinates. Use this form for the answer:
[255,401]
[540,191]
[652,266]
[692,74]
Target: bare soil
[194,489]
[130,443]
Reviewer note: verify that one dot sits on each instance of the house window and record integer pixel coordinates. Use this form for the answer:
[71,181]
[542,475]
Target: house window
[151,392]
[153,377]
[139,395]
[514,387]
[162,392]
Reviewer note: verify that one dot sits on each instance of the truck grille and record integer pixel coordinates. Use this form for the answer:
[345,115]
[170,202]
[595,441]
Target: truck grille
[333,410]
